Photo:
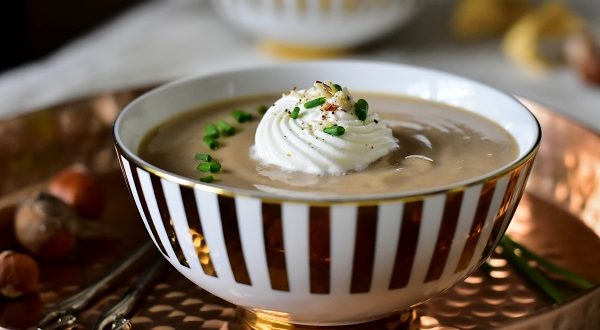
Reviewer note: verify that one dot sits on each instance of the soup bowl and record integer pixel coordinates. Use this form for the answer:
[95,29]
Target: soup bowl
[324,260]
[299,24]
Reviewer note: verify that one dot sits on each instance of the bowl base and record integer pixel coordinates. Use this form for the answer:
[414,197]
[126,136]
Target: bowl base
[301,52]
[258,320]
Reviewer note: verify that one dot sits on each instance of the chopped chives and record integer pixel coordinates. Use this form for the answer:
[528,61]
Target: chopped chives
[262,109]
[335,130]
[361,108]
[337,87]
[215,167]
[238,115]
[212,167]
[211,142]
[212,131]
[207,179]
[203,157]
[203,167]
[315,102]
[295,113]
[241,116]
[225,128]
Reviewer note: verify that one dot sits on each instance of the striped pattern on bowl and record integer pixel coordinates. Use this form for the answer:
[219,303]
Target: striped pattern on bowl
[352,262]
[317,23]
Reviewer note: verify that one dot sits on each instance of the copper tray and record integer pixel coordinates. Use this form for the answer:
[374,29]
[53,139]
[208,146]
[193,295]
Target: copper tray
[559,218]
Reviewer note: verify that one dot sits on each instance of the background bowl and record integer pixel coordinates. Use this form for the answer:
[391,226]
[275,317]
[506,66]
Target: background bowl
[334,260]
[323,24]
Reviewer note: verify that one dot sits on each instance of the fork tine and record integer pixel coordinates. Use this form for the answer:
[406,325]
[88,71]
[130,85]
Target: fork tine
[115,316]
[81,299]
[58,321]
[51,318]
[121,323]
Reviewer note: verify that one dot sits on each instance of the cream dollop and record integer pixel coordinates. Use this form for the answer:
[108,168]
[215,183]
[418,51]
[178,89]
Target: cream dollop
[301,144]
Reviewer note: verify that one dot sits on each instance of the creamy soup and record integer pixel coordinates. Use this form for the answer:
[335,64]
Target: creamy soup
[439,145]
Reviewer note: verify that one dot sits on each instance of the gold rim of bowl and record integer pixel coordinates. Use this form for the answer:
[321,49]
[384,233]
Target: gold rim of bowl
[325,200]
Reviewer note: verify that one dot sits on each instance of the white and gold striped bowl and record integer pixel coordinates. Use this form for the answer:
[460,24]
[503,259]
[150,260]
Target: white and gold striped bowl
[333,260]
[317,24]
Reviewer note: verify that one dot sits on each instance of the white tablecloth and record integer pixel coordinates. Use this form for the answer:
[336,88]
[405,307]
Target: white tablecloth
[165,39]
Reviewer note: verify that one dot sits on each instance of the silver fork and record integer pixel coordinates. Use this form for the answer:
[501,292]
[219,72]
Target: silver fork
[115,317]
[63,314]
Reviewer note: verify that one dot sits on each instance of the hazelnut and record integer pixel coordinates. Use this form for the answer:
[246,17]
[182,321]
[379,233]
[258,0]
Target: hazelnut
[22,313]
[46,226]
[7,232]
[19,274]
[80,189]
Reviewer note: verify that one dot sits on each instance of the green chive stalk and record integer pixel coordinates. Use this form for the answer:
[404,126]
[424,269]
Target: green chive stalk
[537,278]
[553,268]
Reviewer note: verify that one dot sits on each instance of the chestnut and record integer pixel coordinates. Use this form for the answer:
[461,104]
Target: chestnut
[46,226]
[80,189]
[19,274]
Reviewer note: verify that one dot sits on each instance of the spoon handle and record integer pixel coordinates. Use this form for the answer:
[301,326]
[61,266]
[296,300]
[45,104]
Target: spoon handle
[115,317]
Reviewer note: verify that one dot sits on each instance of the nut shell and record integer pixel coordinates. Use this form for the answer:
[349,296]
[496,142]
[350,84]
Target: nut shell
[19,274]
[80,189]
[46,226]
[7,224]
[22,313]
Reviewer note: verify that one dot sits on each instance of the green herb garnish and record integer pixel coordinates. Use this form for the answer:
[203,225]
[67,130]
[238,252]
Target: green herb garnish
[203,157]
[335,130]
[212,131]
[225,128]
[579,281]
[207,179]
[212,167]
[295,113]
[315,103]
[241,116]
[522,265]
[211,142]
[361,108]
[337,87]
[262,109]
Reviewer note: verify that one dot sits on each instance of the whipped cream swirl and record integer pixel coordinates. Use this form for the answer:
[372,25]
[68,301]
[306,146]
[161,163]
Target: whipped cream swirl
[301,144]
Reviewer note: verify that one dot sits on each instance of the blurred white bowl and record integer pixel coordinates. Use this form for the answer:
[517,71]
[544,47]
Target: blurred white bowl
[319,24]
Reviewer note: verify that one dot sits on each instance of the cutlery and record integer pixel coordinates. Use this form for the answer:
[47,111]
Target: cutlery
[63,314]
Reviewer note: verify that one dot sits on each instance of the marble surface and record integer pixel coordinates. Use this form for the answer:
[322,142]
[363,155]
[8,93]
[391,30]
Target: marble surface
[164,39]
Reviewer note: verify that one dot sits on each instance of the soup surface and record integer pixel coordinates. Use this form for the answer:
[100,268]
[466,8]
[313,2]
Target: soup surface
[439,145]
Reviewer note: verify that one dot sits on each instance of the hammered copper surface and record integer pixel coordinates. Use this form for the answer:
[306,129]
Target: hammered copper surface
[559,218]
